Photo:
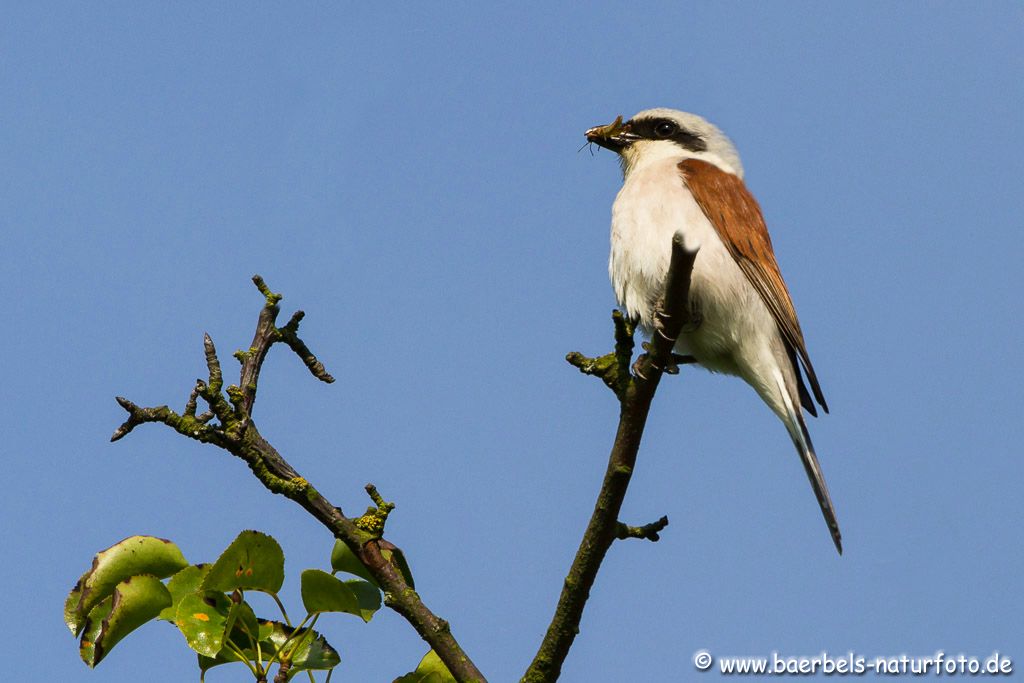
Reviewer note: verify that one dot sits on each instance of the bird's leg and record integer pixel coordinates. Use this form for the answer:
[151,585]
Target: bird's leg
[674,360]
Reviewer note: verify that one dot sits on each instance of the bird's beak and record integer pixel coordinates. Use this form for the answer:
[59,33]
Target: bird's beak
[615,136]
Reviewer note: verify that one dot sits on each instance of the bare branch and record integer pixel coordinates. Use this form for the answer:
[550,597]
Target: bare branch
[289,335]
[635,392]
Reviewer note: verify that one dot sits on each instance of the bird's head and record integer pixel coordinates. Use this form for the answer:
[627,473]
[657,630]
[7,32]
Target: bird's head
[655,134]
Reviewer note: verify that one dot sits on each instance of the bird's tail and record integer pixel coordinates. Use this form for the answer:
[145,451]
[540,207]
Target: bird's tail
[802,440]
[810,460]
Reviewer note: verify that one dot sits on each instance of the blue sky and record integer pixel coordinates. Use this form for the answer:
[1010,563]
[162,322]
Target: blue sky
[410,176]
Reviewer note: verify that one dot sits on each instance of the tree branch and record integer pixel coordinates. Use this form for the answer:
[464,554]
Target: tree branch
[635,391]
[235,432]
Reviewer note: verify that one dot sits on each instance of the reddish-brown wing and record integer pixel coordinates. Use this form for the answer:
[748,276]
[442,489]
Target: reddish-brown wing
[737,218]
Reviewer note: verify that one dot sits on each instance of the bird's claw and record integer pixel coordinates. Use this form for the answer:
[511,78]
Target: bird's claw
[638,363]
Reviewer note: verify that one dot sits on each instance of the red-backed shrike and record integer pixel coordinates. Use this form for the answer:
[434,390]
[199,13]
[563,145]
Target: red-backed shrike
[683,175]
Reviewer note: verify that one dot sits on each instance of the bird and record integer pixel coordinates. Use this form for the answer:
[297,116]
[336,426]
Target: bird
[682,175]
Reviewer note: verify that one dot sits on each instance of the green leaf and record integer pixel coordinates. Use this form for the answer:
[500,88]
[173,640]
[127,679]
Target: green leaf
[132,556]
[245,631]
[91,626]
[253,561]
[313,651]
[430,670]
[368,596]
[135,601]
[181,584]
[72,617]
[202,618]
[344,560]
[322,592]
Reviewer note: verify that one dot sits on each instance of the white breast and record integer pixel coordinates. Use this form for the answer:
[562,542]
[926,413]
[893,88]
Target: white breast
[652,206]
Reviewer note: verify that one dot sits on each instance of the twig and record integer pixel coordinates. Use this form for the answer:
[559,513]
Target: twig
[647,532]
[235,432]
[635,392]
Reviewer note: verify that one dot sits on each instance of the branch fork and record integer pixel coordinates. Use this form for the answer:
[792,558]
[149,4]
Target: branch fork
[228,424]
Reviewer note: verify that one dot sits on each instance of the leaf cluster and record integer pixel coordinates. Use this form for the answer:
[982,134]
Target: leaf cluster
[125,588]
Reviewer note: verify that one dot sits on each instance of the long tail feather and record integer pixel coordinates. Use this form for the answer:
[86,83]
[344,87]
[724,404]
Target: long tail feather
[797,429]
[813,469]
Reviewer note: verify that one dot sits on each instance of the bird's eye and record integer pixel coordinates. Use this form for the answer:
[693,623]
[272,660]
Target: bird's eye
[666,129]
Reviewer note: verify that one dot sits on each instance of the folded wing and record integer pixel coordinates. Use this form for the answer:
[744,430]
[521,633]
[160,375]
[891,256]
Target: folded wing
[737,218]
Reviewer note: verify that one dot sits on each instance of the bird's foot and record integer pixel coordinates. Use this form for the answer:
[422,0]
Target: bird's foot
[639,363]
[671,367]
